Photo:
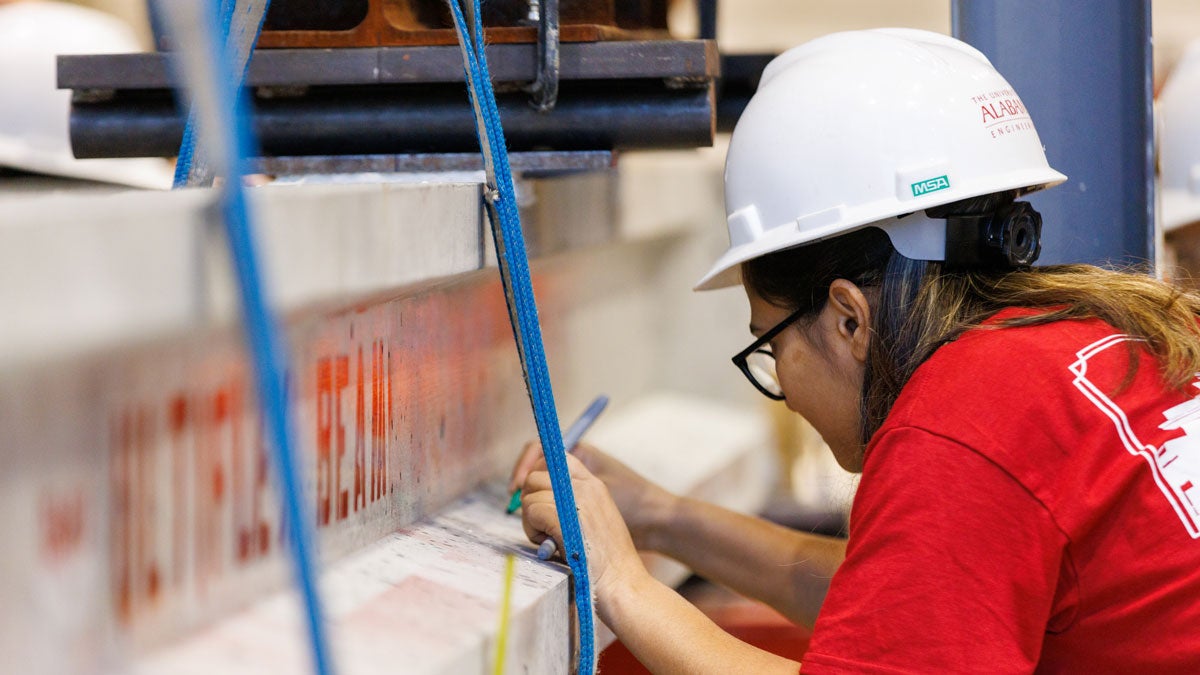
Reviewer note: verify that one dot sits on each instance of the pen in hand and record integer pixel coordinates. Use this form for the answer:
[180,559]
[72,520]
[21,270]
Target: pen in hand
[570,439]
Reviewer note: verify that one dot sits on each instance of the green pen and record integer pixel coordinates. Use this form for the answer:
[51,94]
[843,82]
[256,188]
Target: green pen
[570,439]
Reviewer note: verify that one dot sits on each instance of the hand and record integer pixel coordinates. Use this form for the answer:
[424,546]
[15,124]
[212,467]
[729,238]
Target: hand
[643,505]
[612,558]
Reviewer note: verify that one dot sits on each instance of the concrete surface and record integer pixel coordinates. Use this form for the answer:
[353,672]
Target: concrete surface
[141,523]
[428,596]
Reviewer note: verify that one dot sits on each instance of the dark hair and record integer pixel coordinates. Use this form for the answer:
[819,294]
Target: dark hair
[918,306]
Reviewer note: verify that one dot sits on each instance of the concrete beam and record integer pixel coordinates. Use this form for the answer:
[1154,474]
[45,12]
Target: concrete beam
[134,500]
[428,596]
[80,272]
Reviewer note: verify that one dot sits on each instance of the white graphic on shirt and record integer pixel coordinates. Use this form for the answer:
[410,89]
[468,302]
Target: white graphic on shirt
[1176,465]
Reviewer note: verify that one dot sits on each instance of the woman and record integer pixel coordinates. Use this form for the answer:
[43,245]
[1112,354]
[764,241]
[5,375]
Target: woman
[1028,439]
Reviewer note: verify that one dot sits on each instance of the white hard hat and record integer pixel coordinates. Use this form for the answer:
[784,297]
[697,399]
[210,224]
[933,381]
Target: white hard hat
[1179,142]
[858,128]
[34,131]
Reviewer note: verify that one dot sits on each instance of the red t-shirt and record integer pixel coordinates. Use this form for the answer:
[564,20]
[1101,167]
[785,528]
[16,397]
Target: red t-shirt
[1020,512]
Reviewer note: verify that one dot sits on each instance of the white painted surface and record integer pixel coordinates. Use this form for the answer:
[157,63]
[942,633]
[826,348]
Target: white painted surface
[424,600]
[90,271]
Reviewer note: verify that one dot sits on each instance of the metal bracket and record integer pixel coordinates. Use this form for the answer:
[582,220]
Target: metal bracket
[545,87]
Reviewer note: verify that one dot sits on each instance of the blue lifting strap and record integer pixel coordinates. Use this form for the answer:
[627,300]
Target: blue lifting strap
[211,56]
[240,24]
[522,309]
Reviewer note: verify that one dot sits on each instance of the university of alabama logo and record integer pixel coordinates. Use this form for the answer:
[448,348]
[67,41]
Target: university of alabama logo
[1002,113]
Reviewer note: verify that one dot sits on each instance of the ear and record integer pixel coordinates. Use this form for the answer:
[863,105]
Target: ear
[851,314]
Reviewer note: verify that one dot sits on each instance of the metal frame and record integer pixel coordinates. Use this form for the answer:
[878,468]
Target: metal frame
[528,164]
[404,100]
[653,59]
[545,87]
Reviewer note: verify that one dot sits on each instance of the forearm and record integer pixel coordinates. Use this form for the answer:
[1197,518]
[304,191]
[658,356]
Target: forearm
[669,635]
[786,569]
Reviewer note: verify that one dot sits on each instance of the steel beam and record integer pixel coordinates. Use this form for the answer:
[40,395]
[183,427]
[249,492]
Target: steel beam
[661,59]
[1084,71]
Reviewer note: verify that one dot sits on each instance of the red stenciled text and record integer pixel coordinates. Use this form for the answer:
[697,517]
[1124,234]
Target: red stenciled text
[353,411]
[61,523]
[190,478]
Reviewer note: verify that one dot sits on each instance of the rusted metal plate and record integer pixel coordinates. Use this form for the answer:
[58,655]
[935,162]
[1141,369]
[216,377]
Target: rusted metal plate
[376,23]
[390,37]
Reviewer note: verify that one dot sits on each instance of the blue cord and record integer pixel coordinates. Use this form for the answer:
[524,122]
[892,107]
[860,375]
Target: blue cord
[238,50]
[267,347]
[522,307]
[187,151]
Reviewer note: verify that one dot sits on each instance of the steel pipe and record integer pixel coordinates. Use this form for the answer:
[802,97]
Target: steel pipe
[376,120]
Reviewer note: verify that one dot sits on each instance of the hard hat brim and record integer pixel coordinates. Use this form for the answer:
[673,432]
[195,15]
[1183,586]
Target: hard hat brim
[725,272]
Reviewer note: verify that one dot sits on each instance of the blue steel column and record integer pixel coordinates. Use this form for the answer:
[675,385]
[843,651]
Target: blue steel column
[1083,69]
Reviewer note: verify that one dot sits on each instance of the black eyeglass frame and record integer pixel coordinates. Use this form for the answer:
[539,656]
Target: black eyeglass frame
[740,359]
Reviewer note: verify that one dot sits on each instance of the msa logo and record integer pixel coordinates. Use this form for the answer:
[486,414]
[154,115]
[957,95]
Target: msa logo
[930,185]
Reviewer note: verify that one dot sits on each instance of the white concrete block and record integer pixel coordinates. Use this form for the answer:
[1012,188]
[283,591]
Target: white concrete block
[428,597]
[88,271]
[667,192]
[134,493]
[425,600]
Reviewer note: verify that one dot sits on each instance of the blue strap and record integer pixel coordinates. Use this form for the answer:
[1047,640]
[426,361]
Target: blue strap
[206,64]
[241,23]
[522,309]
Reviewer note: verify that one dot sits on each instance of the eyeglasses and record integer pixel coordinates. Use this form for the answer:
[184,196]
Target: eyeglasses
[757,362]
